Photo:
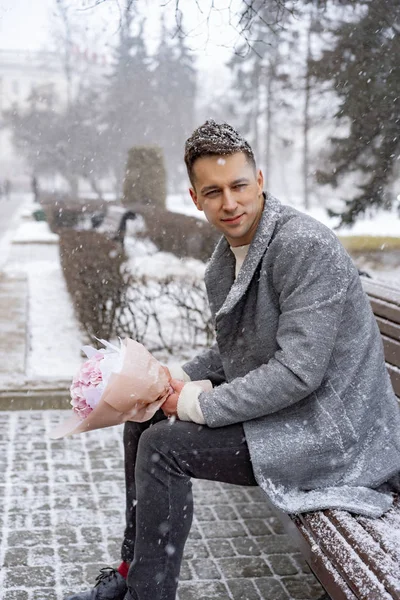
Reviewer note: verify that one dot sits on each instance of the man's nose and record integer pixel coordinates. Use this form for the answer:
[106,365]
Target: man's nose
[228,201]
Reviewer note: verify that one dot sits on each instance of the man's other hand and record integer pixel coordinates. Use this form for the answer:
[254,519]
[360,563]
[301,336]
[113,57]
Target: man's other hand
[169,407]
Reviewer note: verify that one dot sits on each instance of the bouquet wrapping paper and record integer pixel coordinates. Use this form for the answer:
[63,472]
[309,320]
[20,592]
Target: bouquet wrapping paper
[132,387]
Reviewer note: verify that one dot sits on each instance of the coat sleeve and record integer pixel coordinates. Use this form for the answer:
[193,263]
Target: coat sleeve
[311,276]
[207,365]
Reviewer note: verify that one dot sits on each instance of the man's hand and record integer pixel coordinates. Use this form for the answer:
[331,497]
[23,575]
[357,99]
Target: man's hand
[169,407]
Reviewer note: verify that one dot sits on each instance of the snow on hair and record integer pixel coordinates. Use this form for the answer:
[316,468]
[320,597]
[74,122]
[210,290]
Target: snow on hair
[212,139]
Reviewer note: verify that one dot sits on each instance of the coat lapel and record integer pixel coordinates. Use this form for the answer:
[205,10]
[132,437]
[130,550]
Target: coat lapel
[224,291]
[220,275]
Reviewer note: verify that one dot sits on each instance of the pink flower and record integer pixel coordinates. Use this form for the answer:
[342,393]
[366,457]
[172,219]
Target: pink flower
[84,395]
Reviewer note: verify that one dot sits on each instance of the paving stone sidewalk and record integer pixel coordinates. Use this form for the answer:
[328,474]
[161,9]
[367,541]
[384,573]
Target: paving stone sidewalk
[62,518]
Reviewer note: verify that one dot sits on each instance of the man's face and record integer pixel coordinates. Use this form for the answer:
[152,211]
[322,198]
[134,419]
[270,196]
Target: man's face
[229,192]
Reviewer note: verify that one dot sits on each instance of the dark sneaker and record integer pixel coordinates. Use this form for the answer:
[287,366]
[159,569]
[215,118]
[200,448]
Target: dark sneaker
[110,585]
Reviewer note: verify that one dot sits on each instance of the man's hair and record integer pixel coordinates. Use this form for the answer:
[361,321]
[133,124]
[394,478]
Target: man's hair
[215,139]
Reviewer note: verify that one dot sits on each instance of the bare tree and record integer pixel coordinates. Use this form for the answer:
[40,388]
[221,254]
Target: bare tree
[66,48]
[242,16]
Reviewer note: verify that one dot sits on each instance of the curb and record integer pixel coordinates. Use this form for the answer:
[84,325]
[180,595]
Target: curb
[35,396]
[29,241]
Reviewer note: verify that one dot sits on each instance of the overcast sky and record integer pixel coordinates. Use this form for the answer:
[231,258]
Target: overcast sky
[24,24]
[30,25]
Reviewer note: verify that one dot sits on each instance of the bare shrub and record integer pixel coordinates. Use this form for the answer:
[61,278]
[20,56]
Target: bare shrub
[182,235]
[93,269]
[169,315]
[61,217]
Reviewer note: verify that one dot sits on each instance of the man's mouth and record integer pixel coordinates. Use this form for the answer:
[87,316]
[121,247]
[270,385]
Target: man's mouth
[232,219]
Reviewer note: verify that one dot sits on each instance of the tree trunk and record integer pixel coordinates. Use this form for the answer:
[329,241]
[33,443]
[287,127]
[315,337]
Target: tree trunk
[256,113]
[306,123]
[95,188]
[73,187]
[268,132]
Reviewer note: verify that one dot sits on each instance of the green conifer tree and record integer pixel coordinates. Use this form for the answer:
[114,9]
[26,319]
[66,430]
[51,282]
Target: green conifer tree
[175,89]
[363,66]
[129,101]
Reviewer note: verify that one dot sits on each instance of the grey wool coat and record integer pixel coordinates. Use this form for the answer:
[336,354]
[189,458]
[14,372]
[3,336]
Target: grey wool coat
[299,361]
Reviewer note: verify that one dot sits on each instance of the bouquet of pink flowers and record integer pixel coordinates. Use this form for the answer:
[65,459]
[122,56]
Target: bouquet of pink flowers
[87,385]
[113,386]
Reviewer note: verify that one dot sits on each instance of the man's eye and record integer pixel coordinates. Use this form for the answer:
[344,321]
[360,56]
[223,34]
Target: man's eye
[212,193]
[239,186]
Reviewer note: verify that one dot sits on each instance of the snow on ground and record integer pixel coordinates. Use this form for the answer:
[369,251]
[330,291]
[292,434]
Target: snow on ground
[10,216]
[383,224]
[54,334]
[55,337]
[379,223]
[36,232]
[182,203]
[145,260]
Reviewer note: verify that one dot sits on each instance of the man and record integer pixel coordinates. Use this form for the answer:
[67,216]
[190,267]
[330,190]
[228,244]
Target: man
[7,188]
[301,402]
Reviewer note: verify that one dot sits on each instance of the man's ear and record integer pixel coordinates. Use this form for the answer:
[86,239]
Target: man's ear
[193,196]
[260,181]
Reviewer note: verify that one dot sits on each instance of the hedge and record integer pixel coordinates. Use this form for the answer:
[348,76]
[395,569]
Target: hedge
[93,270]
[180,234]
[145,180]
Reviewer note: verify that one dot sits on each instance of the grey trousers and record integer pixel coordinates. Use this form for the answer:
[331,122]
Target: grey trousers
[161,457]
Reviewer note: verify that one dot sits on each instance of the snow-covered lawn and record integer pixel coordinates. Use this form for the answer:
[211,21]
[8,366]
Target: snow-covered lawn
[34,232]
[380,223]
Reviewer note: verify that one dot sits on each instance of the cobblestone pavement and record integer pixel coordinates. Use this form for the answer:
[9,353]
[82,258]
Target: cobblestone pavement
[62,519]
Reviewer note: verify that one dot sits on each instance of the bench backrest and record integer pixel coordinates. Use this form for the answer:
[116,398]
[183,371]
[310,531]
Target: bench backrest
[112,218]
[385,302]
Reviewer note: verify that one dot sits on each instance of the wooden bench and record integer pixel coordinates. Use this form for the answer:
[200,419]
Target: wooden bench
[112,222]
[354,556]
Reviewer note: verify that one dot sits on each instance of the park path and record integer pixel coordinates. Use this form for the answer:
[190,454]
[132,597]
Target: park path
[63,518]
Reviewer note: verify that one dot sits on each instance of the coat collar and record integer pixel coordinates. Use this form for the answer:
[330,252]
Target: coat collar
[223,290]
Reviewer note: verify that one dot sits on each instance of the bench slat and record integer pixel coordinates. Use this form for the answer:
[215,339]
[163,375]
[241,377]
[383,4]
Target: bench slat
[368,549]
[385,309]
[320,565]
[392,351]
[388,328]
[381,290]
[386,531]
[359,578]
[395,378]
